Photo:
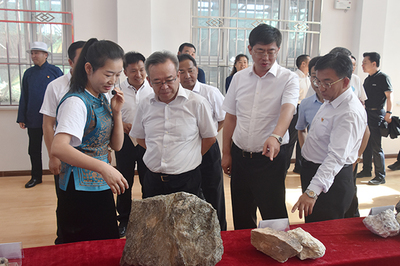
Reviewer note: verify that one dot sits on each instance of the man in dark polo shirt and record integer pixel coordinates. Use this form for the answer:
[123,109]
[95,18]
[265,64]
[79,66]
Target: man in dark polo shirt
[379,90]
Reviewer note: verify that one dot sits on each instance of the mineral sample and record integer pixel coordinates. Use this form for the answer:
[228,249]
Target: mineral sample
[398,207]
[175,229]
[383,224]
[398,217]
[277,244]
[312,247]
[3,261]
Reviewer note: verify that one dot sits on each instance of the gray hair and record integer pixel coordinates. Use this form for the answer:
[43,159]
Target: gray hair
[160,58]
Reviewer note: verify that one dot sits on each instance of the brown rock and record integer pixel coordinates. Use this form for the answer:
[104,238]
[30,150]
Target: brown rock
[176,229]
[312,247]
[383,224]
[277,244]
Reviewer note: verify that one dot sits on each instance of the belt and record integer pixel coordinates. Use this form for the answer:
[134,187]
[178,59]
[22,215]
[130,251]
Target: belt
[373,109]
[306,161]
[248,154]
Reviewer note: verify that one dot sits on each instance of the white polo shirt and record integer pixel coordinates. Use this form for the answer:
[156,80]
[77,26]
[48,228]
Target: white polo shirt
[54,93]
[214,97]
[173,132]
[304,84]
[334,138]
[132,99]
[256,102]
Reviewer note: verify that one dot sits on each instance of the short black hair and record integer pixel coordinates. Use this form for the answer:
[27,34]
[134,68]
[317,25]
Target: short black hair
[352,56]
[373,57]
[340,50]
[183,45]
[312,63]
[300,59]
[339,62]
[133,58]
[265,34]
[161,57]
[73,47]
[183,57]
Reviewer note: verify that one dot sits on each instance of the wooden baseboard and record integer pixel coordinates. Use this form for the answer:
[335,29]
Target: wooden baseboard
[28,173]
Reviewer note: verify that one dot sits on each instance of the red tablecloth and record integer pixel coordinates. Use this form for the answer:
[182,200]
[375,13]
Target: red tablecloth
[347,242]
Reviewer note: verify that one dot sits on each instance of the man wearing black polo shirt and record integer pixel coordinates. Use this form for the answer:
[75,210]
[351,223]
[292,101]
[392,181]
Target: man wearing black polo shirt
[378,89]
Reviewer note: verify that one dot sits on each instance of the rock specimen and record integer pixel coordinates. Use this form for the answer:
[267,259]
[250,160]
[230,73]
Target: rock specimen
[383,224]
[3,261]
[398,207]
[398,217]
[175,229]
[312,247]
[277,244]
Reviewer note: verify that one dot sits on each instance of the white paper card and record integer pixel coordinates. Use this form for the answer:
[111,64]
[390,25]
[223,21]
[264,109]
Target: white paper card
[377,210]
[276,224]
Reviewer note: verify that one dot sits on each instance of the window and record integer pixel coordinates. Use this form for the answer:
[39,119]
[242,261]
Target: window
[26,21]
[220,30]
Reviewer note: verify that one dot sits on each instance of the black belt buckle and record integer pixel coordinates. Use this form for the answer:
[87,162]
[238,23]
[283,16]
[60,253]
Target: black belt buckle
[246,154]
[162,178]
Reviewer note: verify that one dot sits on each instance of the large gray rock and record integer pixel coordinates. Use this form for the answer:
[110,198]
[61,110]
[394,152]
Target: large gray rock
[312,247]
[279,245]
[176,229]
[383,224]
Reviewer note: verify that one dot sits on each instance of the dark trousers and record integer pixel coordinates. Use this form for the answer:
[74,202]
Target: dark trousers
[35,152]
[162,184]
[353,209]
[212,182]
[374,151]
[256,181]
[85,215]
[333,204]
[293,140]
[126,160]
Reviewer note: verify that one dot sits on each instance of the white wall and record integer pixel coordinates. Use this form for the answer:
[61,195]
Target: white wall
[148,26]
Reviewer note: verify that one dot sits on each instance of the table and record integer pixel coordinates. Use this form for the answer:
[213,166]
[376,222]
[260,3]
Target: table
[347,242]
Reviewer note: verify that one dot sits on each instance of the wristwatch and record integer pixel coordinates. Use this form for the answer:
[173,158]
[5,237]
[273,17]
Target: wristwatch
[388,112]
[279,138]
[311,194]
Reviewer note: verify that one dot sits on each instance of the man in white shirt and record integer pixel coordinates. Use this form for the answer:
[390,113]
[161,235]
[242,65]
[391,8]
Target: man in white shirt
[135,88]
[259,106]
[332,144]
[175,126]
[211,171]
[302,62]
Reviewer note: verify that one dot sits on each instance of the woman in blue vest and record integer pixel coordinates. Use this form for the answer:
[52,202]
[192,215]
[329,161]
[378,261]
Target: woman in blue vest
[87,123]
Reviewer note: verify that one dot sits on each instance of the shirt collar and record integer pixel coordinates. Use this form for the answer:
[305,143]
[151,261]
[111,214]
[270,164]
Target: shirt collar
[196,87]
[316,98]
[182,92]
[335,103]
[273,70]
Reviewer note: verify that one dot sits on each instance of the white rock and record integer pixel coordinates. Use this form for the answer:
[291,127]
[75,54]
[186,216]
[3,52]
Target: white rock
[312,247]
[278,245]
[383,224]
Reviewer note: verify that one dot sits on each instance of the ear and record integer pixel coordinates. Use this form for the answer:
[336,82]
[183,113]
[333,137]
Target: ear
[346,82]
[148,79]
[71,63]
[88,68]
[125,72]
[250,48]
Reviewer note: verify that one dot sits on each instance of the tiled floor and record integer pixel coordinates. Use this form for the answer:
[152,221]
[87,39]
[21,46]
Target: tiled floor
[28,215]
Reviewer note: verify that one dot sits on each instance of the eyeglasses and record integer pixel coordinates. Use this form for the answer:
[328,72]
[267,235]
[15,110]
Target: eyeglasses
[263,53]
[326,86]
[168,82]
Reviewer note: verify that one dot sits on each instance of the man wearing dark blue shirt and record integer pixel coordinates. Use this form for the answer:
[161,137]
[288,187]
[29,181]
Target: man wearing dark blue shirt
[188,48]
[34,84]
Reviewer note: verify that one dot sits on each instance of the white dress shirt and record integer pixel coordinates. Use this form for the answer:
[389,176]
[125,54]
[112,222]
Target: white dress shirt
[304,83]
[334,138]
[358,88]
[54,93]
[132,99]
[256,102]
[173,132]
[214,97]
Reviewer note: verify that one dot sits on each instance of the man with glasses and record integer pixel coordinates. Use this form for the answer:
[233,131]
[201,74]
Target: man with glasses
[176,128]
[259,106]
[332,143]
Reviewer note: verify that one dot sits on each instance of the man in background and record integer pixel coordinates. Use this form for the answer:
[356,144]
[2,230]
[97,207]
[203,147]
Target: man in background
[34,84]
[190,49]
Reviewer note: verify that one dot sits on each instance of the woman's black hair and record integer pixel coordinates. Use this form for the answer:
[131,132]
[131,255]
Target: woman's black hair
[237,58]
[96,53]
